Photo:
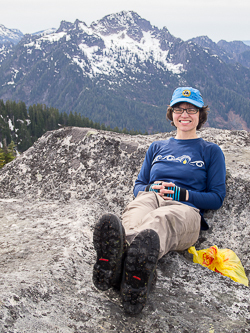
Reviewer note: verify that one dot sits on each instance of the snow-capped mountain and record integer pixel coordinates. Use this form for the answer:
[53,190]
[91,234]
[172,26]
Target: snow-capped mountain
[121,71]
[9,35]
[112,44]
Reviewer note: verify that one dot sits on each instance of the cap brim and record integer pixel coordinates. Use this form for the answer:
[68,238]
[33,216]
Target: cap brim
[188,100]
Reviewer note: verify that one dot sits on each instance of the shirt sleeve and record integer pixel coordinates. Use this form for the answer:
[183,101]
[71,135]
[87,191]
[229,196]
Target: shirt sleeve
[216,183]
[144,175]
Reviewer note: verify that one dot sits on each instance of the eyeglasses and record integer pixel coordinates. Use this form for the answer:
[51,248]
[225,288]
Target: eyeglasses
[181,110]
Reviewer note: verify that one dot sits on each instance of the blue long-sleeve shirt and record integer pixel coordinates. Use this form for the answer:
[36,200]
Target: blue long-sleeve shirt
[194,164]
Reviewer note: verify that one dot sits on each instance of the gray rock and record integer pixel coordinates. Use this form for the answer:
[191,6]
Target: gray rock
[50,198]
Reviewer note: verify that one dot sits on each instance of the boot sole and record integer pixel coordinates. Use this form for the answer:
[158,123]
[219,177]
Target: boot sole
[139,269]
[109,243]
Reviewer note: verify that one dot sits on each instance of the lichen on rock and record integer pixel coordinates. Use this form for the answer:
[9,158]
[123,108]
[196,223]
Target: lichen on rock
[50,198]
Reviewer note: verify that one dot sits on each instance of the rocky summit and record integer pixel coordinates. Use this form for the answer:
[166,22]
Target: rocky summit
[50,199]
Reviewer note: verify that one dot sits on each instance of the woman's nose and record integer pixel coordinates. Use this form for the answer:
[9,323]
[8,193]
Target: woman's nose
[185,113]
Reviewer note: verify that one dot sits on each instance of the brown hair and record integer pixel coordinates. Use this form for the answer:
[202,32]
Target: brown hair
[202,116]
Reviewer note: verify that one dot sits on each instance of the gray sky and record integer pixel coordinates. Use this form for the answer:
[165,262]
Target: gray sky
[218,19]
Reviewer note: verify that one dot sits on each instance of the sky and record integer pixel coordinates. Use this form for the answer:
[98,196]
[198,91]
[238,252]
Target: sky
[217,19]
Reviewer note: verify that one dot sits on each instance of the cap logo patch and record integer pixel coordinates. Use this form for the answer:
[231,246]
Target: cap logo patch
[186,93]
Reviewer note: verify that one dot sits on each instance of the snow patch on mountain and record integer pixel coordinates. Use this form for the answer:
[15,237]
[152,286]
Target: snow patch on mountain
[45,32]
[121,51]
[54,37]
[10,125]
[50,38]
[14,75]
[4,51]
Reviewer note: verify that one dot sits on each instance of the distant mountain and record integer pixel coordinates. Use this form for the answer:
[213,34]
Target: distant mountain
[9,35]
[235,47]
[121,71]
[8,38]
[229,52]
[45,32]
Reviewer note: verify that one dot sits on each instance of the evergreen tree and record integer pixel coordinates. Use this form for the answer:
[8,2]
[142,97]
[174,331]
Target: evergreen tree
[71,121]
[10,152]
[23,127]
[2,158]
[7,153]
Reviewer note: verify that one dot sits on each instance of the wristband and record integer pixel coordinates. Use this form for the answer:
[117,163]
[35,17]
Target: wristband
[150,189]
[178,195]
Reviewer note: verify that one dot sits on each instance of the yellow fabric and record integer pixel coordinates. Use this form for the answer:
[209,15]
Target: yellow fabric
[223,261]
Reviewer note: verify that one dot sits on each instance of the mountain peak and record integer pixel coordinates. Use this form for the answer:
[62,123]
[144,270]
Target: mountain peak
[9,35]
[117,22]
[65,26]
[203,41]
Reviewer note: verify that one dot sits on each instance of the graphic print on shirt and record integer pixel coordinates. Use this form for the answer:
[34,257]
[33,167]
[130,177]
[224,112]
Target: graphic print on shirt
[184,159]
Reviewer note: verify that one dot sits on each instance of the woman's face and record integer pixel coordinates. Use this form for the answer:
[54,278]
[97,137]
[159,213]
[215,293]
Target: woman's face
[186,122]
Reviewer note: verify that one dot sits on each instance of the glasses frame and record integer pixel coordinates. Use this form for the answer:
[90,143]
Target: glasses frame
[197,109]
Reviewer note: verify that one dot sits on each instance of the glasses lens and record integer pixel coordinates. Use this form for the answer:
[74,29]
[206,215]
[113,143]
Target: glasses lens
[178,110]
[189,111]
[192,111]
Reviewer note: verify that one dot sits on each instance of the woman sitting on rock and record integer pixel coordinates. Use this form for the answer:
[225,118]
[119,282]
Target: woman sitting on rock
[179,179]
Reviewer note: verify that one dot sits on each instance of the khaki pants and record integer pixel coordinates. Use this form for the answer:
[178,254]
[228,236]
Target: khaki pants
[177,224]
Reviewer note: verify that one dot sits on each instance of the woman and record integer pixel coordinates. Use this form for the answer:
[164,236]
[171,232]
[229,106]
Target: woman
[179,179]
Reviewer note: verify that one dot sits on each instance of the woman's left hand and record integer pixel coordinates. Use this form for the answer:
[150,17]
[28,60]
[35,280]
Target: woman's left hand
[162,189]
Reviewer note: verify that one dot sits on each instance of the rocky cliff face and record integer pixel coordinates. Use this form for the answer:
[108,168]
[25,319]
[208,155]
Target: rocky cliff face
[50,198]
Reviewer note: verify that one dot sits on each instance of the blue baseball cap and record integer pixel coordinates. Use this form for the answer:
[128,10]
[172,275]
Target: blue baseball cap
[187,94]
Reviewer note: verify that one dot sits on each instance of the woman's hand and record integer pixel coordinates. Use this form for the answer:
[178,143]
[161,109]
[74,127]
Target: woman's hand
[162,190]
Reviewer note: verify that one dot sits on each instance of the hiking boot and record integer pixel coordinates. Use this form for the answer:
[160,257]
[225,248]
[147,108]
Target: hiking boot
[139,270]
[109,243]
